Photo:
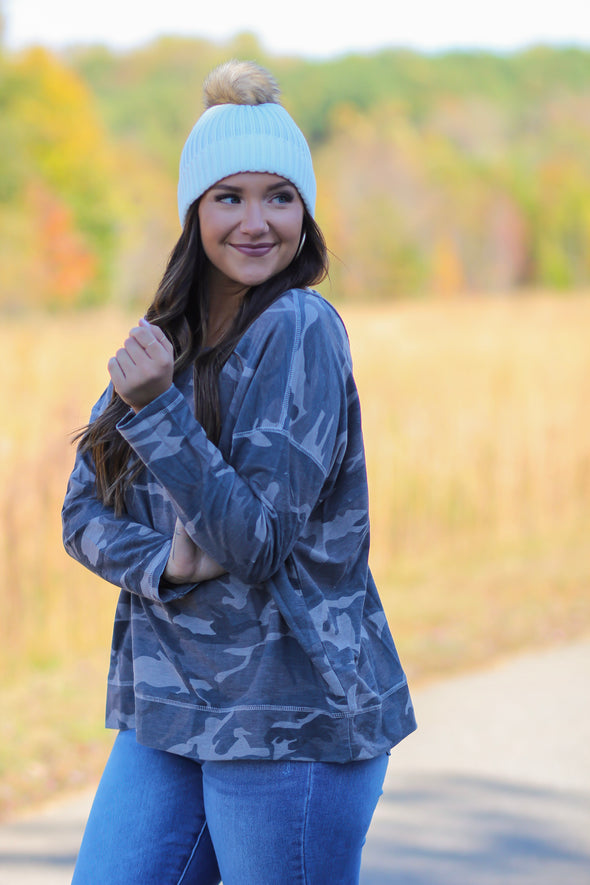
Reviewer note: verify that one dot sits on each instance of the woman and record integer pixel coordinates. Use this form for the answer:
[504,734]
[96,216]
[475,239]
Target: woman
[221,485]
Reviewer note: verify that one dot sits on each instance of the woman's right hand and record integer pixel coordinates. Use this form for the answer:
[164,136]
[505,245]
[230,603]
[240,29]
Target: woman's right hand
[187,563]
[143,368]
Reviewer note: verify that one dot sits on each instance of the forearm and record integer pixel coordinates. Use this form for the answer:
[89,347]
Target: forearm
[120,550]
[244,530]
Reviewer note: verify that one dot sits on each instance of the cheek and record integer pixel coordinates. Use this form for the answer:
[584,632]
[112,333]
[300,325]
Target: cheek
[210,233]
[209,220]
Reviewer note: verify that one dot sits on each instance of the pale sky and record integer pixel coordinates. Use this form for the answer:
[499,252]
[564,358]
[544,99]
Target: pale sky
[314,28]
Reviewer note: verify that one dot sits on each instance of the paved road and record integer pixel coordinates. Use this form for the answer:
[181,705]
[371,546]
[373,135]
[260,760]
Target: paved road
[493,788]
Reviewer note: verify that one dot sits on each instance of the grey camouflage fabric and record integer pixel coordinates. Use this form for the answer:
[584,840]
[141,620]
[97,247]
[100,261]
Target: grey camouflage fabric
[287,655]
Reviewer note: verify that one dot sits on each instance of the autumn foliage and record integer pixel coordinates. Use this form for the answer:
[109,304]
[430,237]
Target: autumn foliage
[56,213]
[437,174]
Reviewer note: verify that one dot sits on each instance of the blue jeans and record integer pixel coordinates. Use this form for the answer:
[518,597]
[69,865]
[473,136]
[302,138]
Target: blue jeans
[161,819]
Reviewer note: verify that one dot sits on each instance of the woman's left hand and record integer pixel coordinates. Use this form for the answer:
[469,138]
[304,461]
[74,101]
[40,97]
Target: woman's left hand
[187,563]
[144,367]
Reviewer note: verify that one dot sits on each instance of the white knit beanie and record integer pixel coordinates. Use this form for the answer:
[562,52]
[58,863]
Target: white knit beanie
[243,129]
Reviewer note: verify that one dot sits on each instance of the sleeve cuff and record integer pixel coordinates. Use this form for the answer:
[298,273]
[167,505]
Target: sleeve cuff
[164,402]
[161,590]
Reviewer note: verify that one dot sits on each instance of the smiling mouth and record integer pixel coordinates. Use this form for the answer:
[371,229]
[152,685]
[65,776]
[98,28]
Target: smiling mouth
[254,251]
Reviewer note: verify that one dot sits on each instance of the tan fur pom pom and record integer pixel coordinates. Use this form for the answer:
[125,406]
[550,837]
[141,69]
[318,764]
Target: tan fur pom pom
[240,82]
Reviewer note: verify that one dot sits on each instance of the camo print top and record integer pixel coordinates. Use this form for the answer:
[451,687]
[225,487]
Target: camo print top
[288,655]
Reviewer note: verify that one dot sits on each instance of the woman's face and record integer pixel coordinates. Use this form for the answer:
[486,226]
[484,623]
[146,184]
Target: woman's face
[250,229]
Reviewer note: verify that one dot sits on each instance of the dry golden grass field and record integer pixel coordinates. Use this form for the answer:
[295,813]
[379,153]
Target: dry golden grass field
[477,428]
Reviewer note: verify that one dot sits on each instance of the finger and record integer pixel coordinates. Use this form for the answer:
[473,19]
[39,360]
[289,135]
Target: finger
[136,351]
[158,334]
[149,344]
[135,361]
[180,533]
[143,337]
[116,372]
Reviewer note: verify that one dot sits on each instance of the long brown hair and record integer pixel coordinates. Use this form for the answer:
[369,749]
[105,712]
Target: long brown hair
[180,309]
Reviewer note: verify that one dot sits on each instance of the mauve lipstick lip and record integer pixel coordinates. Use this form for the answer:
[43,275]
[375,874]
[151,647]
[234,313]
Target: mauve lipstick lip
[257,250]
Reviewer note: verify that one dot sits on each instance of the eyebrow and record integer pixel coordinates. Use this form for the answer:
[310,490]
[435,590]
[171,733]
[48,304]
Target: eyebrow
[279,186]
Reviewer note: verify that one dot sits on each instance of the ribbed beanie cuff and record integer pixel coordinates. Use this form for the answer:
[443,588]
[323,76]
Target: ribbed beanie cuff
[231,138]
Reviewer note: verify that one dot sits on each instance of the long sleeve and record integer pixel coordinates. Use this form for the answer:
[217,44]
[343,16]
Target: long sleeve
[286,428]
[124,551]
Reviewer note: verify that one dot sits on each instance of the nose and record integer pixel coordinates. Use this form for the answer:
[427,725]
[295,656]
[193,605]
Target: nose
[253,220]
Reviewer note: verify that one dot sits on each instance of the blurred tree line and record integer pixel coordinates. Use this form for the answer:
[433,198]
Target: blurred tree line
[437,173]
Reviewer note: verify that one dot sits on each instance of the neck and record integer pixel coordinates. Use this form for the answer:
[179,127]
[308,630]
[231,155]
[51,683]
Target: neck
[225,298]
[222,312]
